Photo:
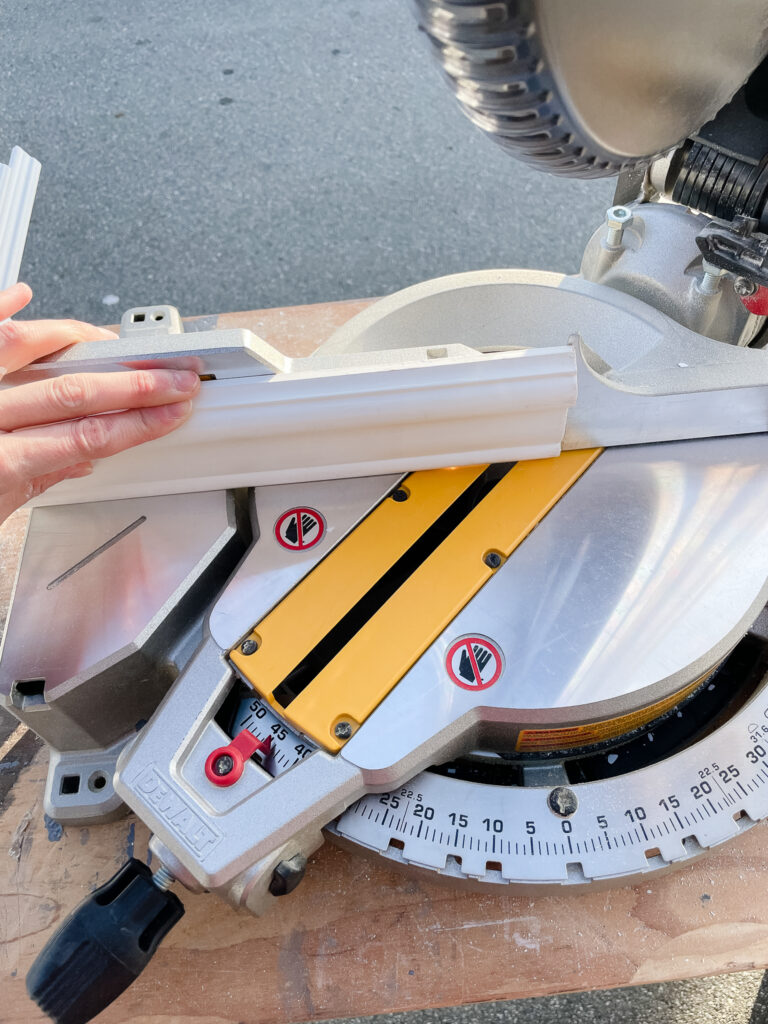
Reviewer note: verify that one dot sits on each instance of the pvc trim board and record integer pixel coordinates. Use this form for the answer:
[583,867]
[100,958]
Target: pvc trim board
[18,185]
[349,422]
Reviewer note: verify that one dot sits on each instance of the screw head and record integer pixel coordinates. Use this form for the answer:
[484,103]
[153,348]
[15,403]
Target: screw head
[400,494]
[618,217]
[342,730]
[744,287]
[562,801]
[248,647]
[223,765]
[492,560]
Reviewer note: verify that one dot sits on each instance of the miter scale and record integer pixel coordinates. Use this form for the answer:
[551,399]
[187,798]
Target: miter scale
[479,587]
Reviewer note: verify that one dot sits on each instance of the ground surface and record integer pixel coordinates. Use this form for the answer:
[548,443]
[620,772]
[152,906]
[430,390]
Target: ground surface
[244,155]
[241,155]
[735,998]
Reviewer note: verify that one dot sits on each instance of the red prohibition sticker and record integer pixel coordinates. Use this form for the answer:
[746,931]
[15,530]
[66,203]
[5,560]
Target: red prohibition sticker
[474,662]
[299,529]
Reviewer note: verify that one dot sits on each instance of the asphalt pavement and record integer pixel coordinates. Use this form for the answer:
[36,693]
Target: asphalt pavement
[242,155]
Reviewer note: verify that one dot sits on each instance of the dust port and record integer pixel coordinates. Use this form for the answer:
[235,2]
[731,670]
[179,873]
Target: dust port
[28,693]
[70,784]
[97,782]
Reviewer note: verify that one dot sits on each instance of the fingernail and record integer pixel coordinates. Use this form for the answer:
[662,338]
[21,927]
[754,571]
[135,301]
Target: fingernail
[186,380]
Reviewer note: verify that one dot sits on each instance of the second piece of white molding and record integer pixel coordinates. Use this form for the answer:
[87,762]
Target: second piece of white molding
[18,185]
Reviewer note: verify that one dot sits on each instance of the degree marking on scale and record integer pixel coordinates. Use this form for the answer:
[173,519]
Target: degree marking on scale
[717,783]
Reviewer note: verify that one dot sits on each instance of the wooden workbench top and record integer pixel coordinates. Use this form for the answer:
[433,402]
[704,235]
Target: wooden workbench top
[357,938]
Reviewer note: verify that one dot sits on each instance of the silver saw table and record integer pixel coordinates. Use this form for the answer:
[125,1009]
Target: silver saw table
[359,937]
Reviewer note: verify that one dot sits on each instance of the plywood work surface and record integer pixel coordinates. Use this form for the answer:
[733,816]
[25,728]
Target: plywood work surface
[357,938]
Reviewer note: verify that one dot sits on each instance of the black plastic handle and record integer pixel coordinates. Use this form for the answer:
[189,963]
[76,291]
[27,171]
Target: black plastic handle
[103,945]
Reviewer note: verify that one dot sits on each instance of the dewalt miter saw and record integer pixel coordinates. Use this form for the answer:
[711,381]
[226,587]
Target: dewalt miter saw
[480,585]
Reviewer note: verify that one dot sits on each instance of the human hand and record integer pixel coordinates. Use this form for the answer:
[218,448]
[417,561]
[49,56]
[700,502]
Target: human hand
[52,430]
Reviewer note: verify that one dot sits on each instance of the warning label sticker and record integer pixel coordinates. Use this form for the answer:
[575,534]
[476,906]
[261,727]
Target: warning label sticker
[474,662]
[571,737]
[299,529]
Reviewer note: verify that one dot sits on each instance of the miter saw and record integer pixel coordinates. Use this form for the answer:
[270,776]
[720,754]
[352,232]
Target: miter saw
[478,587]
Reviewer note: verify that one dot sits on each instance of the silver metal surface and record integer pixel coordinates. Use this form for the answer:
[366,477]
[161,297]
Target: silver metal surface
[157,339]
[639,79]
[616,219]
[584,88]
[79,788]
[153,319]
[229,840]
[108,599]
[656,560]
[659,262]
[269,570]
[641,376]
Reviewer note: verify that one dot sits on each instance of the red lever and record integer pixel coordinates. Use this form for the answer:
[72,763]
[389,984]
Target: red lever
[224,766]
[757,302]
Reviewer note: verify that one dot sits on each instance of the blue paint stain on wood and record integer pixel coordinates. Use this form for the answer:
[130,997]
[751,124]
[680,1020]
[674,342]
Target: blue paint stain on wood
[53,828]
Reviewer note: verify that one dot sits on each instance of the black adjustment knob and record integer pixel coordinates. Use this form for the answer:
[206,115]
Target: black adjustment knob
[287,875]
[103,945]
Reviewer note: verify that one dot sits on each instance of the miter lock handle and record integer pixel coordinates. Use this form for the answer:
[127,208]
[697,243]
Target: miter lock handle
[103,945]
